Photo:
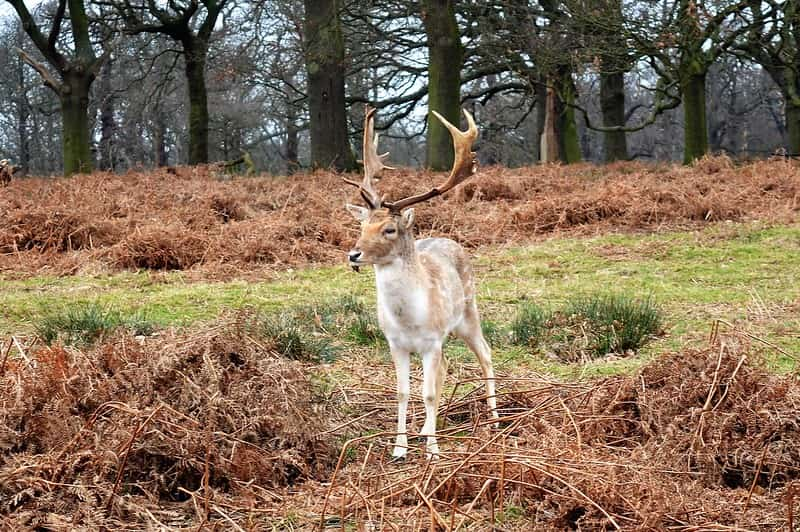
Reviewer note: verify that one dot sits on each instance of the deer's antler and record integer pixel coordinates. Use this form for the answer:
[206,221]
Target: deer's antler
[464,163]
[373,163]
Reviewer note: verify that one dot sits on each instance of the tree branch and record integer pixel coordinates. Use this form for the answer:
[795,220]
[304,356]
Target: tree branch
[47,77]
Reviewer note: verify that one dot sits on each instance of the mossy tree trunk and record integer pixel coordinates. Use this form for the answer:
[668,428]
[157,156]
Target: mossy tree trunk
[74,97]
[612,105]
[695,127]
[793,128]
[76,73]
[788,79]
[195,53]
[446,56]
[692,69]
[569,146]
[324,56]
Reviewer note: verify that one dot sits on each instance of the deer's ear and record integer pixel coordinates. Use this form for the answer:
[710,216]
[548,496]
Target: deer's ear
[359,213]
[408,218]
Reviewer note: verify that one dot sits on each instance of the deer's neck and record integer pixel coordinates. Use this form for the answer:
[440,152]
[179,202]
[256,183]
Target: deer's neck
[402,278]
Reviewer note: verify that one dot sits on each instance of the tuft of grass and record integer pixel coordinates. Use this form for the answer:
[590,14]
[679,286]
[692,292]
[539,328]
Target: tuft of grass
[346,316]
[84,323]
[140,324]
[614,323]
[288,336]
[364,329]
[529,327]
[492,332]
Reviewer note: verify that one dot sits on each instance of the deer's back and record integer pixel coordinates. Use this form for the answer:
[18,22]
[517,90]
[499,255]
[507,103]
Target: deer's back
[451,257]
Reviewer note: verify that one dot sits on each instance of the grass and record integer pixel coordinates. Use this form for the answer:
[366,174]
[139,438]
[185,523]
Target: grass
[289,337]
[587,327]
[530,325]
[615,322]
[743,273]
[83,323]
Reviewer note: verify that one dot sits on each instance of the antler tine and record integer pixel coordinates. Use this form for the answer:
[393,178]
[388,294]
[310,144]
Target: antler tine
[373,162]
[465,163]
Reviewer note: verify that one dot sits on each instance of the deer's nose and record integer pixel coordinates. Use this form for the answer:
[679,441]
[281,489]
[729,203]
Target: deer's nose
[354,255]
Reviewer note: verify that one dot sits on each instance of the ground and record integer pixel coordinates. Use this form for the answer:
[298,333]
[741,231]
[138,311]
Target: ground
[697,429]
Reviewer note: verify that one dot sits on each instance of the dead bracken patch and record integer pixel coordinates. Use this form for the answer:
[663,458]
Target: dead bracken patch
[96,438]
[186,431]
[703,439]
[149,220]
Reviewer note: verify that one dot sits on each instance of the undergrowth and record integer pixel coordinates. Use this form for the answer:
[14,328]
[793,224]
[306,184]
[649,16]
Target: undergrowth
[587,326]
[314,333]
[289,337]
[84,323]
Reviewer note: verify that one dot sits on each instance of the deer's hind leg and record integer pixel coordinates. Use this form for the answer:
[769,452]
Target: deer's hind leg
[470,331]
[433,377]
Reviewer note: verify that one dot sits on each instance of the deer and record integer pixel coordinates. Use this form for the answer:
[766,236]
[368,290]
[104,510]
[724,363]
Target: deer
[6,171]
[425,288]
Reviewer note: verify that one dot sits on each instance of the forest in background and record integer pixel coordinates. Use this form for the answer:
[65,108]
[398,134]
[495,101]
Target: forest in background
[132,84]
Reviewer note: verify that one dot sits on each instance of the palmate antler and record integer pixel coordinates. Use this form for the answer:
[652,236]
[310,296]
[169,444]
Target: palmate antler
[373,163]
[464,163]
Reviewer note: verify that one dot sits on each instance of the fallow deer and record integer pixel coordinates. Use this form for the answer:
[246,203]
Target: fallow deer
[6,171]
[425,288]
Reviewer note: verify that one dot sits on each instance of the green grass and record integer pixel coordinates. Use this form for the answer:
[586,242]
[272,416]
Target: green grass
[614,322]
[83,323]
[530,325]
[587,327]
[743,273]
[290,338]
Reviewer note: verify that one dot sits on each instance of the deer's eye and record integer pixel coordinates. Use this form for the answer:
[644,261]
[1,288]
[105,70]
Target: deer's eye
[389,231]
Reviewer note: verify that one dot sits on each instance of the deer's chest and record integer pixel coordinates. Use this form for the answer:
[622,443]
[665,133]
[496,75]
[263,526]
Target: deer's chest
[404,310]
[414,318]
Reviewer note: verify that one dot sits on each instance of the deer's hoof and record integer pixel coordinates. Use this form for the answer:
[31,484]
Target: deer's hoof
[399,454]
[432,452]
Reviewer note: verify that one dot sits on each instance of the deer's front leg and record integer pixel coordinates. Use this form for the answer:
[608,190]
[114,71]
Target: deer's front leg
[402,363]
[431,389]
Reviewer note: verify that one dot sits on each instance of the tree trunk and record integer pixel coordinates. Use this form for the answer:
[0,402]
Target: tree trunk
[107,125]
[160,140]
[195,64]
[23,114]
[693,92]
[793,128]
[292,143]
[444,79]
[540,91]
[74,98]
[548,143]
[324,55]
[569,147]
[612,104]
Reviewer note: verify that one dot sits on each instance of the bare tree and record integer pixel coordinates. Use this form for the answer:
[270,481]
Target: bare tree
[76,65]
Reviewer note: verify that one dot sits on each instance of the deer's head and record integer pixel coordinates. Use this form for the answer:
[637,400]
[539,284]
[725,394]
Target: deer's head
[387,227]
[6,164]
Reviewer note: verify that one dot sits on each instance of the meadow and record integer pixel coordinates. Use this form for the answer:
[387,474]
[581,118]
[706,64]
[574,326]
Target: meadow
[190,350]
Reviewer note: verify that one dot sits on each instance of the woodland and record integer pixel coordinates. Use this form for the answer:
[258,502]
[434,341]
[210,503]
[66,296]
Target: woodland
[135,84]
